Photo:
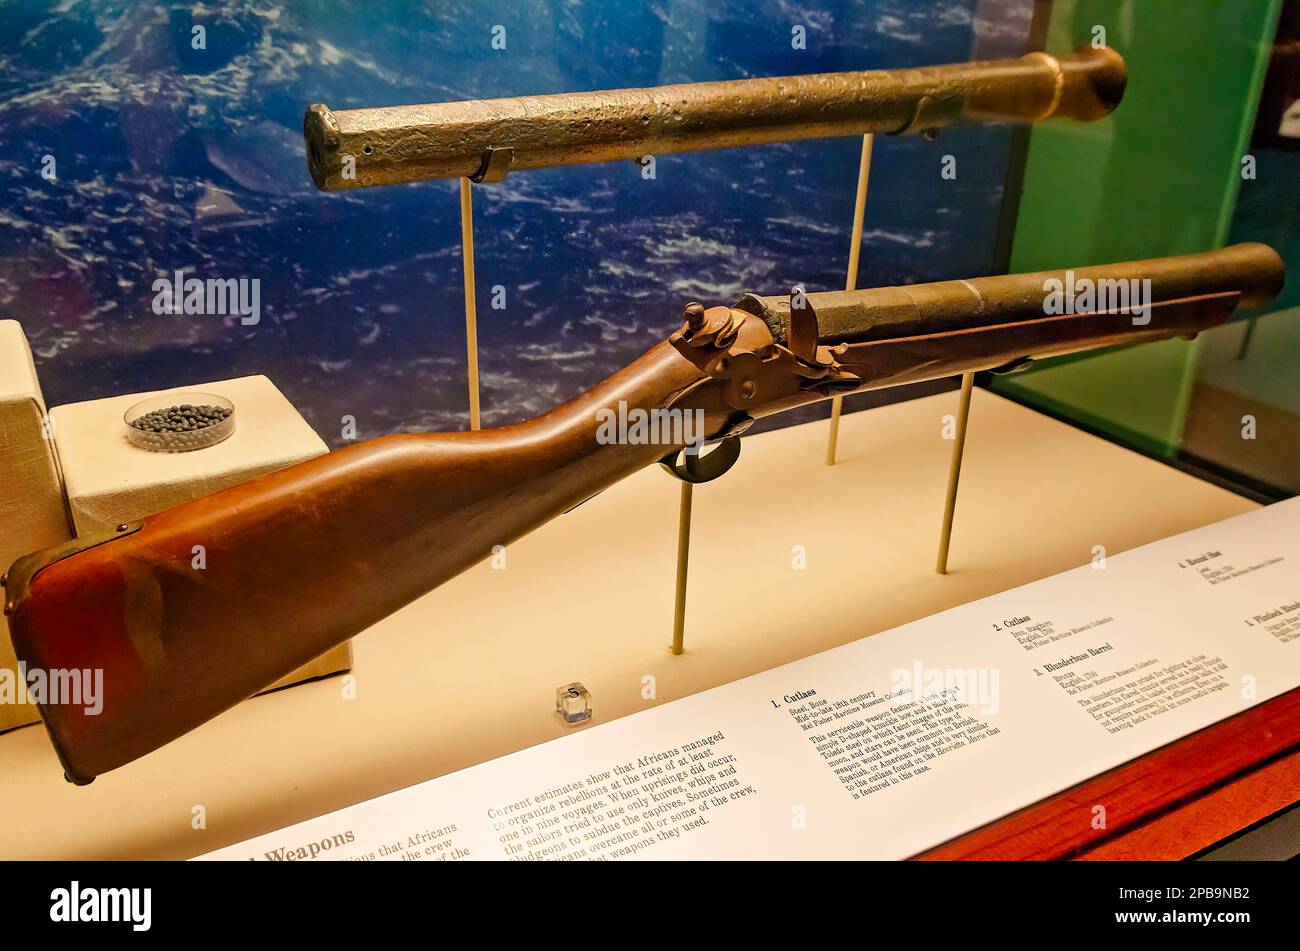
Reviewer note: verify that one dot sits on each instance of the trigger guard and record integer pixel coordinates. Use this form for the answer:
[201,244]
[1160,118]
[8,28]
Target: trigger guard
[697,468]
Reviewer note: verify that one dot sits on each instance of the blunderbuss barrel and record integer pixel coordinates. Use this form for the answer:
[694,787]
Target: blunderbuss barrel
[1253,270]
[485,139]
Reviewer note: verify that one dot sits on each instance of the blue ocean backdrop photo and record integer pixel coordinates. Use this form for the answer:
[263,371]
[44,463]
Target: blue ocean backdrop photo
[130,152]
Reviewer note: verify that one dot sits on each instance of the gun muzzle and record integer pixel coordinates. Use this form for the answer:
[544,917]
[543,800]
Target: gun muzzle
[483,139]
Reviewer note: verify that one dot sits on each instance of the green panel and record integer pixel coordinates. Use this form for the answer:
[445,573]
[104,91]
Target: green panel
[1158,177]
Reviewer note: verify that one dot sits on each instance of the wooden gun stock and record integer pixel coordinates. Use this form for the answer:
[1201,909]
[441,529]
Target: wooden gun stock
[303,559]
[297,562]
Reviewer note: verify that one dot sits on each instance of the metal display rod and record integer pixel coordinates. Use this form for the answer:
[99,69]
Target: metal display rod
[954,471]
[471,298]
[851,278]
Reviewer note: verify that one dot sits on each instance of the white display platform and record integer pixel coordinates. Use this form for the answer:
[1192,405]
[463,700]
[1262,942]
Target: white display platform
[468,673]
[888,746]
[110,481]
[32,511]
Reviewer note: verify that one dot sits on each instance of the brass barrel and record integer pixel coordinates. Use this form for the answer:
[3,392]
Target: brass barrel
[482,139]
[1255,270]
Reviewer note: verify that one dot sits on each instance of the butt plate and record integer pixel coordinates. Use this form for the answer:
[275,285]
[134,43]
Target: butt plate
[17,581]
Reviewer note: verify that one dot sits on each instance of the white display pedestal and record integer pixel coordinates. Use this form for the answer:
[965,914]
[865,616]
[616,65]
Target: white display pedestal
[469,672]
[32,513]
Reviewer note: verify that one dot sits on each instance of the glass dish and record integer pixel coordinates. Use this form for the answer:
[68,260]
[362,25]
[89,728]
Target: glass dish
[180,422]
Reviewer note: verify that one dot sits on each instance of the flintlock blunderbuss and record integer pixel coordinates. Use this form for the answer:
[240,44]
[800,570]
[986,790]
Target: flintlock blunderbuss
[303,559]
[485,139]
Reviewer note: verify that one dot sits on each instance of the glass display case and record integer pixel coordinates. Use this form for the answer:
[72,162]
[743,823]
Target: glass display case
[1191,161]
